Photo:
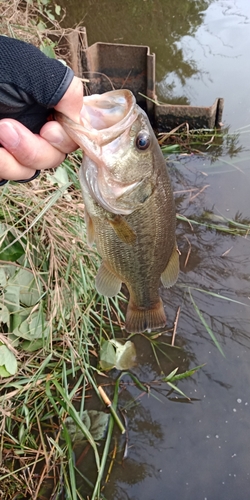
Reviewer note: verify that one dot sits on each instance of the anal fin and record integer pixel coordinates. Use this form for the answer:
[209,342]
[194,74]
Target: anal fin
[107,282]
[170,274]
[122,229]
[141,319]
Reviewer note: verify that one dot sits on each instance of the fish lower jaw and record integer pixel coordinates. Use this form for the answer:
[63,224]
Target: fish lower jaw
[142,319]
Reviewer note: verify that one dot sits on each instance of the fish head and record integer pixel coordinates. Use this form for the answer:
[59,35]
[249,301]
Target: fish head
[119,144]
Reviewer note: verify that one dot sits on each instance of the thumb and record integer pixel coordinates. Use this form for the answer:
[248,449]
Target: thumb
[72,101]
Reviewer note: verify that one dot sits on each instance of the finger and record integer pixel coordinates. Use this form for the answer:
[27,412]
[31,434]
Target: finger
[29,150]
[54,133]
[11,170]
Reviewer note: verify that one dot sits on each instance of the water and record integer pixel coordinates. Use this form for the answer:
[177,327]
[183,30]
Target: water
[177,449]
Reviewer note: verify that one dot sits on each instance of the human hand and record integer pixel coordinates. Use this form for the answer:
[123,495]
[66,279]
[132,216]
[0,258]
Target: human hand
[24,152]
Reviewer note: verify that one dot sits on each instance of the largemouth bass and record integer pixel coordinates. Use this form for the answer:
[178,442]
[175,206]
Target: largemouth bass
[129,205]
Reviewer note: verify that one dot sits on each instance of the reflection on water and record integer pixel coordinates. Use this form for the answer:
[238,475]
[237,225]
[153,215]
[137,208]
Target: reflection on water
[199,449]
[158,24]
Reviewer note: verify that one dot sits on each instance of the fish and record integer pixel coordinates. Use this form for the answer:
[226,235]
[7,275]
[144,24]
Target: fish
[129,205]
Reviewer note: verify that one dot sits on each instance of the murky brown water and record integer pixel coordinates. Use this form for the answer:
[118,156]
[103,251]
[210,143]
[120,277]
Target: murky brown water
[198,450]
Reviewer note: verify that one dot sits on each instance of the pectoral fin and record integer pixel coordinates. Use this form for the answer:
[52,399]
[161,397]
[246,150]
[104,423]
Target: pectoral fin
[107,282]
[90,228]
[170,274]
[122,229]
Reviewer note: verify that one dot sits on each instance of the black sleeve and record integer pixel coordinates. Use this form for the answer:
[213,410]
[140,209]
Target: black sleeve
[30,83]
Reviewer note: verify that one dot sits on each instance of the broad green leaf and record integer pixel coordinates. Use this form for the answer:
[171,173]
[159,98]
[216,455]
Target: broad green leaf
[14,340]
[86,419]
[11,298]
[30,290]
[99,422]
[95,421]
[32,345]
[14,251]
[4,315]
[9,271]
[18,317]
[75,432]
[107,355]
[33,327]
[125,355]
[113,354]
[60,176]
[48,51]
[3,277]
[41,26]
[3,372]
[57,9]
[38,325]
[50,16]
[8,360]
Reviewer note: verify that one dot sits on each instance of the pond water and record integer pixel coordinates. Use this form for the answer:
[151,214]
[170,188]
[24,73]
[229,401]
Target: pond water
[198,449]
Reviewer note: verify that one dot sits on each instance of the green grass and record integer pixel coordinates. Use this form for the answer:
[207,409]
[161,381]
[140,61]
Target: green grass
[213,141]
[219,223]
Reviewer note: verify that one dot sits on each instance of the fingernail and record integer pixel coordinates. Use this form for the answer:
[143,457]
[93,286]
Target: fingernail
[53,136]
[9,137]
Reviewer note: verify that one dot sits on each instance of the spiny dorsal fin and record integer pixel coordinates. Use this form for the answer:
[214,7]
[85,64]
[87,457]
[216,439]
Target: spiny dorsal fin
[122,229]
[107,282]
[170,274]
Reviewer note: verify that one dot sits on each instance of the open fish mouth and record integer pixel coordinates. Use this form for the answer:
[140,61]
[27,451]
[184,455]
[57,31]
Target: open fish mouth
[104,118]
[106,134]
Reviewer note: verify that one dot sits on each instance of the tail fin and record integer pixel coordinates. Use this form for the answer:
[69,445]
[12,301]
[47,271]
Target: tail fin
[139,319]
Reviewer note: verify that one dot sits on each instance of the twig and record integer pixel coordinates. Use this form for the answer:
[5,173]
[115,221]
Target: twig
[175,325]
[83,454]
[168,134]
[111,464]
[201,191]
[181,191]
[189,251]
[45,469]
[185,219]
[5,341]
[125,454]
[226,252]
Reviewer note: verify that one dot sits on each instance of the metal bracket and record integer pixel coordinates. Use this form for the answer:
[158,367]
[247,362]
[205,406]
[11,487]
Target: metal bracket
[110,66]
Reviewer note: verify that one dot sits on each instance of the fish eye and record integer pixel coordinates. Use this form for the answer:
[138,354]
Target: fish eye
[143,140]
